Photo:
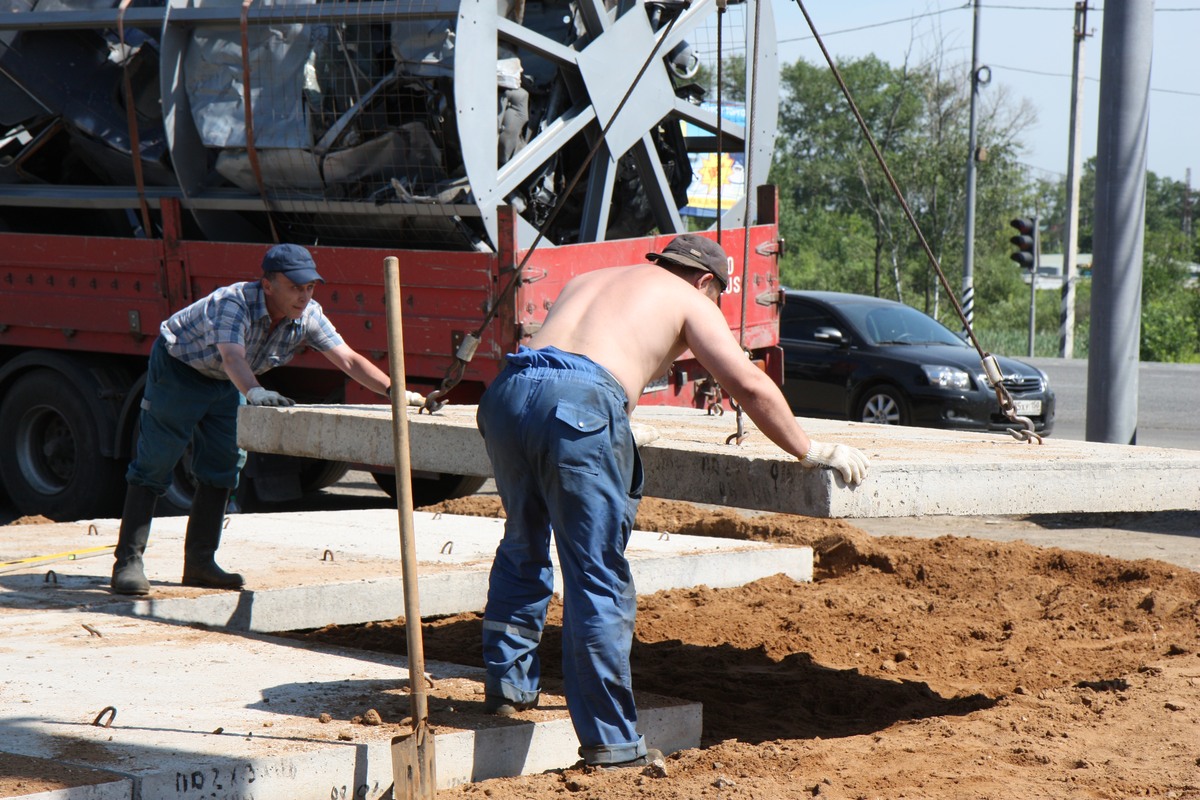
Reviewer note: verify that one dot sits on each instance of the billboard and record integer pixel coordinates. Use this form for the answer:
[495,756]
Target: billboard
[708,168]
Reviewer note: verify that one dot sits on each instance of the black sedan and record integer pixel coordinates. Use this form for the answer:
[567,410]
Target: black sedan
[851,356]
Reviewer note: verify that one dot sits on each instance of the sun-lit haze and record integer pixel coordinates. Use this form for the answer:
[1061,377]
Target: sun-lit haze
[1028,46]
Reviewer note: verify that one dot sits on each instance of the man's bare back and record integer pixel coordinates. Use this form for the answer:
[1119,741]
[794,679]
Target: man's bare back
[635,321]
[629,320]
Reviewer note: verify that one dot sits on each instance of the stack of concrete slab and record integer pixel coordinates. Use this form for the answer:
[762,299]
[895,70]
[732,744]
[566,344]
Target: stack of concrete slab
[186,694]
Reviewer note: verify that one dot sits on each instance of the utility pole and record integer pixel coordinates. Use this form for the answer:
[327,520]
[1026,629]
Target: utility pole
[1066,328]
[1187,203]
[1123,123]
[968,285]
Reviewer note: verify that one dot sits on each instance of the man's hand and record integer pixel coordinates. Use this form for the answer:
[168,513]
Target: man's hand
[410,398]
[258,396]
[845,459]
[643,434]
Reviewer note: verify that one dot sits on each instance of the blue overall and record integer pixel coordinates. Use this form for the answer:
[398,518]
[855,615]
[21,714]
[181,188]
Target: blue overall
[558,437]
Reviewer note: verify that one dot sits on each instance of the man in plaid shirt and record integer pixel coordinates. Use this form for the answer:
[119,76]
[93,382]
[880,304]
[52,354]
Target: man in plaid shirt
[205,361]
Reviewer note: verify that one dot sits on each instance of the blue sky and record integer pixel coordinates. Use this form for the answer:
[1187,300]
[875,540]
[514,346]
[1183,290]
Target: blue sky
[1028,45]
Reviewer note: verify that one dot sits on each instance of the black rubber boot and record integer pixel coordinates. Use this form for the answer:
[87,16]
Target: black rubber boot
[203,539]
[129,576]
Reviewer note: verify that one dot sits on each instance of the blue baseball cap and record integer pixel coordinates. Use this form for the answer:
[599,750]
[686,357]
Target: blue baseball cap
[292,261]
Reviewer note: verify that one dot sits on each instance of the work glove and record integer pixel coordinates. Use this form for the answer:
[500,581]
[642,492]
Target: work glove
[643,434]
[843,458]
[410,398]
[258,396]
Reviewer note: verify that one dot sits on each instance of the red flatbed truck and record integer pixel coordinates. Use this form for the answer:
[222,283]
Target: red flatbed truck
[150,152]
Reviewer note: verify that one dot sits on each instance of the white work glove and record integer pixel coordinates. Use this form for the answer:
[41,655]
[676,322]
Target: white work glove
[643,434]
[258,396]
[845,459]
[410,398]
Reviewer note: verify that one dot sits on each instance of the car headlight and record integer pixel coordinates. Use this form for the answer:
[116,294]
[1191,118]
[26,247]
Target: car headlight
[947,377]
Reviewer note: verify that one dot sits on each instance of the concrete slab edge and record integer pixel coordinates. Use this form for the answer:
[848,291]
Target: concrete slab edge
[363,771]
[443,594]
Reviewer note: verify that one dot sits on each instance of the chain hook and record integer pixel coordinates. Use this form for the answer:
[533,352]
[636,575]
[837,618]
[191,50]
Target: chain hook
[1026,434]
[433,400]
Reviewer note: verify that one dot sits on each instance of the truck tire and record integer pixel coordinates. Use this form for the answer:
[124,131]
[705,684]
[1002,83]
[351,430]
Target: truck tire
[320,474]
[430,491]
[50,459]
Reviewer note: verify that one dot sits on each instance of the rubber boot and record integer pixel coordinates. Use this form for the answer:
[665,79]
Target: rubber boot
[203,539]
[129,576]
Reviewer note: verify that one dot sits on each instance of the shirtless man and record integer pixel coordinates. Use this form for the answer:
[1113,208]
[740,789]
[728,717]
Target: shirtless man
[556,425]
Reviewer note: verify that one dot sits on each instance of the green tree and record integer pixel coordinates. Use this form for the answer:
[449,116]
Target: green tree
[1170,301]
[837,203]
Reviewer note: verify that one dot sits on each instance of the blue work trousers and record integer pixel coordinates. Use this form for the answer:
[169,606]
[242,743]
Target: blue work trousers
[558,437]
[181,406]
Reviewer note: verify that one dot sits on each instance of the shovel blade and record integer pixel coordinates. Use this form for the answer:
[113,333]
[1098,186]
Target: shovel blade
[413,773]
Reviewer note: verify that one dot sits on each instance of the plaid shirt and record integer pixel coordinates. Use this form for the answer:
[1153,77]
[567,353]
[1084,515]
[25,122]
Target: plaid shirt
[237,314]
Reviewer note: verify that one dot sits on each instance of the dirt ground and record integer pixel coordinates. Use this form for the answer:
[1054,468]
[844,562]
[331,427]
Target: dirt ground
[940,669]
[936,669]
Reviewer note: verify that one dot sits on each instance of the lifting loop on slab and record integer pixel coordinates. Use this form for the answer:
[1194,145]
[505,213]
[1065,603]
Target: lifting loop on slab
[92,530]
[112,715]
[51,574]
[447,548]
[327,555]
[1006,404]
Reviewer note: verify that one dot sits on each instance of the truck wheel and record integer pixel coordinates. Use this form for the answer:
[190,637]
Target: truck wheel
[320,474]
[430,491]
[50,457]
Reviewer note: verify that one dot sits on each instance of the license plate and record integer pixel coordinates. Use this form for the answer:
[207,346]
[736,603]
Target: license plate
[1028,408]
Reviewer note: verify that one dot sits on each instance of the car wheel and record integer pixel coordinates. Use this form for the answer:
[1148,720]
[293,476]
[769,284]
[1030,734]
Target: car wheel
[883,405]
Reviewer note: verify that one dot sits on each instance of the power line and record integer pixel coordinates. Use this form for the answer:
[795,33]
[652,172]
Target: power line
[964,7]
[1059,8]
[1092,80]
[885,23]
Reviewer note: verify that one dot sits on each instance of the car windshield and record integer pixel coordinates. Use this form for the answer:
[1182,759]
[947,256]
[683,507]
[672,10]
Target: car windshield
[898,324]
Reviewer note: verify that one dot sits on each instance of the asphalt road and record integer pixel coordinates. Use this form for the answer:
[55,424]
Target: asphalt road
[1167,401]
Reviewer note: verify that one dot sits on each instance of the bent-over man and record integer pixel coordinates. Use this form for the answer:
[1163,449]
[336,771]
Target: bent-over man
[556,425]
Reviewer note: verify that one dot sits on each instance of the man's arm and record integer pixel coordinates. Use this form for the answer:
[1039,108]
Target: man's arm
[707,334]
[233,359]
[358,367]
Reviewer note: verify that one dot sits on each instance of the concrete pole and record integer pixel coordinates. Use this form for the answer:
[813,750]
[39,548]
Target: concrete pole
[1119,227]
[1066,328]
[968,284]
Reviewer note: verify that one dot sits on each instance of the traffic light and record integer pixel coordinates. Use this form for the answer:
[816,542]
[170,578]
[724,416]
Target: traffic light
[1026,242]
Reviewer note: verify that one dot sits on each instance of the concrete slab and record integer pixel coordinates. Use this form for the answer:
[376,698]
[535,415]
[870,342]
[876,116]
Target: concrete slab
[227,711]
[308,569]
[172,711]
[914,471]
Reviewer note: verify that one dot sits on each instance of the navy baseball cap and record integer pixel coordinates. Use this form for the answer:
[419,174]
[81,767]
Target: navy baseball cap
[293,261]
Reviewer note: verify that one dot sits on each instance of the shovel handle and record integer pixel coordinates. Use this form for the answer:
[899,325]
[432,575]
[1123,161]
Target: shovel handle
[404,504]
